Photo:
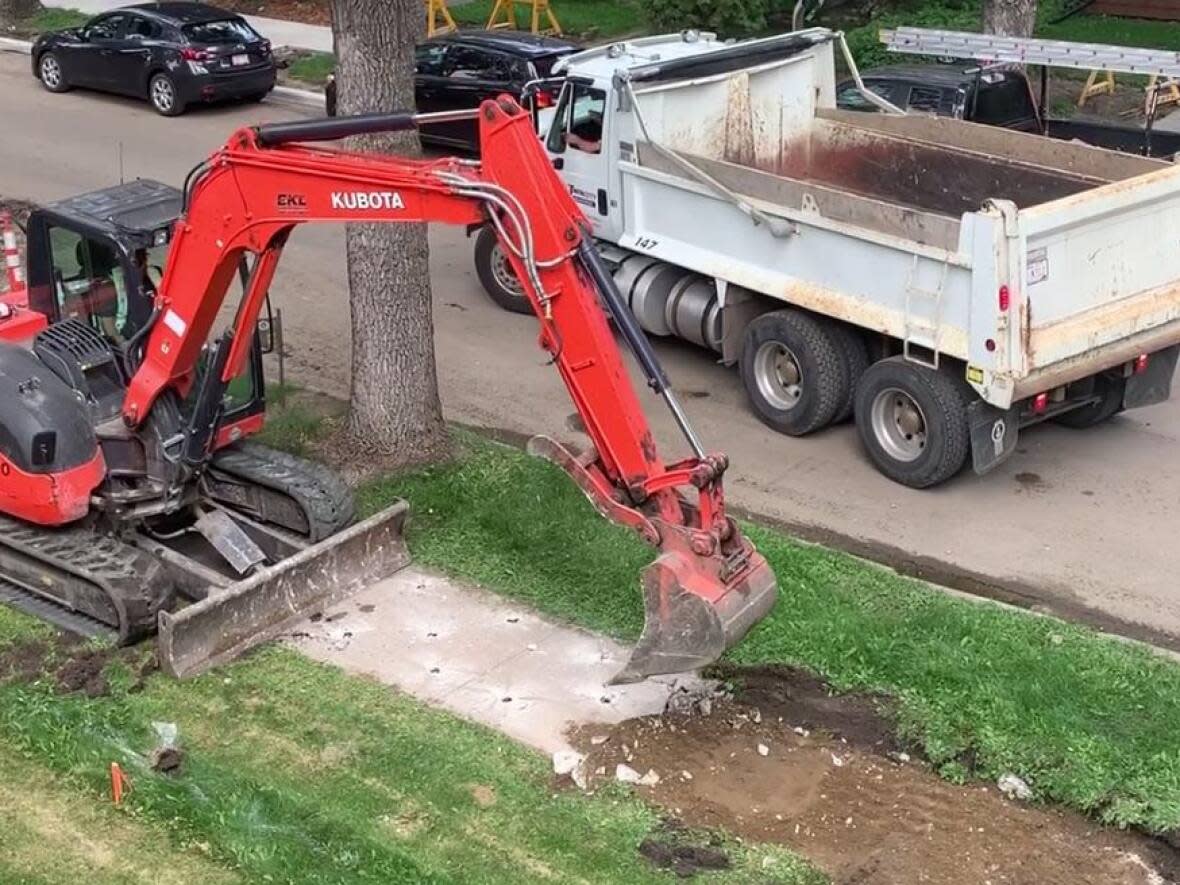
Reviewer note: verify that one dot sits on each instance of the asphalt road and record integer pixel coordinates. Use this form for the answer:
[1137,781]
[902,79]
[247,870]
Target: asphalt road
[1079,523]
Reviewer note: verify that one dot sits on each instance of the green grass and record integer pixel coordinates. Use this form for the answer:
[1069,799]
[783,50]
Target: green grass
[297,773]
[585,18]
[1118,31]
[1091,722]
[53,19]
[312,68]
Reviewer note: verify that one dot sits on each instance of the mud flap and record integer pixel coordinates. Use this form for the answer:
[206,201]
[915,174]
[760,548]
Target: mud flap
[1155,384]
[686,624]
[272,600]
[993,435]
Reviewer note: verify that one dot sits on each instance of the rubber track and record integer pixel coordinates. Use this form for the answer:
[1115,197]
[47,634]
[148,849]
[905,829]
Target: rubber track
[322,495]
[135,580]
[44,610]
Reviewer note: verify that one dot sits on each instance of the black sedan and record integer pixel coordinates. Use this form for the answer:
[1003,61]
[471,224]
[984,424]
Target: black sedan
[173,54]
[460,70]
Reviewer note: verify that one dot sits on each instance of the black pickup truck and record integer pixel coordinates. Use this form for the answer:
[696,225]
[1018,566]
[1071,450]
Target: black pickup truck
[996,97]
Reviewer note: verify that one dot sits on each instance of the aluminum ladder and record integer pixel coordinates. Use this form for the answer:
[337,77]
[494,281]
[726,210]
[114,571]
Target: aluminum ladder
[993,48]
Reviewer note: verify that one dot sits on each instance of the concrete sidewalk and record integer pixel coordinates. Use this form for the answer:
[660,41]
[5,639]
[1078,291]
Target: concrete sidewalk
[277,31]
[482,657]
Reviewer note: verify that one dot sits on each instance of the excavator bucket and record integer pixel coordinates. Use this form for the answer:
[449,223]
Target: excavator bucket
[692,616]
[273,599]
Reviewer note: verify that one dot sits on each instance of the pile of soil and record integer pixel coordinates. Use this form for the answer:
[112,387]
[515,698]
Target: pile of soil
[72,665]
[310,12]
[788,763]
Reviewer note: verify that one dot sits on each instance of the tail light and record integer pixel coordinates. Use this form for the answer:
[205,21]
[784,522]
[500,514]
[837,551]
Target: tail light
[1040,403]
[1140,365]
[1005,299]
[265,49]
[190,54]
[543,98]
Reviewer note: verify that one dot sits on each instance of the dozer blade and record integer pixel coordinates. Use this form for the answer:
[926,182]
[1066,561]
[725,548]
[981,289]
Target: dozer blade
[273,599]
[692,616]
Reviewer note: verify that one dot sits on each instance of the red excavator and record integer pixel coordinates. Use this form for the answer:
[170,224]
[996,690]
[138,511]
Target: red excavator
[132,499]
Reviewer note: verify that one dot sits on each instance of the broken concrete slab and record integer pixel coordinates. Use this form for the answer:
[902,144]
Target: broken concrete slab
[484,658]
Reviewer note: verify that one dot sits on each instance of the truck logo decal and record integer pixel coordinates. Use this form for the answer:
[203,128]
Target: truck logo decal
[367,200]
[999,431]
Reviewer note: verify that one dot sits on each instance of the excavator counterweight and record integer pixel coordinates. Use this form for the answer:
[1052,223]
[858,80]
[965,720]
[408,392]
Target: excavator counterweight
[163,459]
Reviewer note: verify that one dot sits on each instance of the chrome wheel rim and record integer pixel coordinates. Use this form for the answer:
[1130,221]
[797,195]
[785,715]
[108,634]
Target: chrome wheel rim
[50,72]
[502,273]
[778,375]
[899,424]
[162,94]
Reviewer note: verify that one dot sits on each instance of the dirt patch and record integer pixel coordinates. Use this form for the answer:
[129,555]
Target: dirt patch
[785,762]
[680,851]
[24,661]
[484,796]
[84,672]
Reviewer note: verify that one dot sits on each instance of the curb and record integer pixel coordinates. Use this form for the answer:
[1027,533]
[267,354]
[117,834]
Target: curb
[303,98]
[10,44]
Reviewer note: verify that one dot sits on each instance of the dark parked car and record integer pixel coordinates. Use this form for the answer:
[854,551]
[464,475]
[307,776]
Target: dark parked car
[996,98]
[460,70]
[173,54]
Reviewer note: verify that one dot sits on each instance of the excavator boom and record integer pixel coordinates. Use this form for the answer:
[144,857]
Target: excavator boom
[708,584]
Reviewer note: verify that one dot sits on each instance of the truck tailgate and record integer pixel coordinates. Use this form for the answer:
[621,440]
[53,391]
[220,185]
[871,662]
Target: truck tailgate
[1102,272]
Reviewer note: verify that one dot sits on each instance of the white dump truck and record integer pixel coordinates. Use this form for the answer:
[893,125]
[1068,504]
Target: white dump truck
[945,283]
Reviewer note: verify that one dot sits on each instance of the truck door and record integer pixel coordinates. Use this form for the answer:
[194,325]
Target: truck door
[579,143]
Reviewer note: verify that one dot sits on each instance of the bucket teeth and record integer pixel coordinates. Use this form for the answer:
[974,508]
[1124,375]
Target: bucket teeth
[692,617]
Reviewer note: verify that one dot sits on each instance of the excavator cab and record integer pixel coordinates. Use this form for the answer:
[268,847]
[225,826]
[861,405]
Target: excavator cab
[99,257]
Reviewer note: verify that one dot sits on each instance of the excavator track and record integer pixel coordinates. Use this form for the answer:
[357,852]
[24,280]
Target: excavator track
[281,489]
[81,580]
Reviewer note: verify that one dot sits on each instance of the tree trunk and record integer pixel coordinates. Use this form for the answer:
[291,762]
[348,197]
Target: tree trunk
[14,11]
[395,410]
[1012,18]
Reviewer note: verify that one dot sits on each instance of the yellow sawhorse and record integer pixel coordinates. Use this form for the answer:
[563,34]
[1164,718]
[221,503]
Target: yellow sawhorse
[504,16]
[434,9]
[1094,86]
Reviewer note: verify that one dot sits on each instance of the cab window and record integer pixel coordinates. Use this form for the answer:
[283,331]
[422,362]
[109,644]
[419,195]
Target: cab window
[850,98]
[88,282]
[107,28]
[429,58]
[578,121]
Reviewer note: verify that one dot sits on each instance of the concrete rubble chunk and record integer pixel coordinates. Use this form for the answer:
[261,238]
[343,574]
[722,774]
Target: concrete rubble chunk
[625,774]
[1014,787]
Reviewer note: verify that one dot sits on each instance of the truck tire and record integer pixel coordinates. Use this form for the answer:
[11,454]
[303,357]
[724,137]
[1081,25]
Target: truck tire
[495,273]
[856,361]
[912,421]
[1109,403]
[793,370]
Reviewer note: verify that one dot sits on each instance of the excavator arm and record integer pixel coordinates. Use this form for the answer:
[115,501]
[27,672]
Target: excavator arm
[708,585]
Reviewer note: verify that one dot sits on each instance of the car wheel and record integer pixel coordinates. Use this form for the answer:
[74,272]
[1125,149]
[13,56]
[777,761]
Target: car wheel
[793,371]
[1109,403]
[164,97]
[257,97]
[912,420]
[495,272]
[50,73]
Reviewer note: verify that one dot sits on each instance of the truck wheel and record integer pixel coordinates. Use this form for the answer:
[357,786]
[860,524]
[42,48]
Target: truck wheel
[913,422]
[1109,403]
[793,370]
[856,362]
[491,264]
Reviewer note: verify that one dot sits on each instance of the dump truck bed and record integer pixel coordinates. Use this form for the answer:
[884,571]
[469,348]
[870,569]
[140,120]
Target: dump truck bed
[909,226]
